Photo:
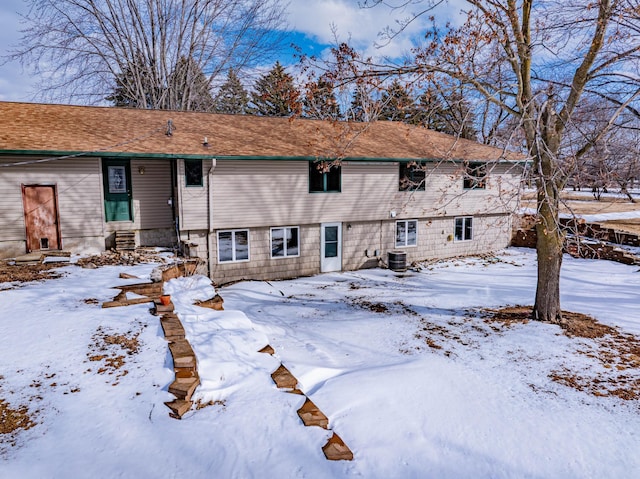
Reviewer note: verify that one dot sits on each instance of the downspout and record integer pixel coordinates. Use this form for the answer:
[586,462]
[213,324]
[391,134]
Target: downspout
[173,166]
[210,235]
[178,198]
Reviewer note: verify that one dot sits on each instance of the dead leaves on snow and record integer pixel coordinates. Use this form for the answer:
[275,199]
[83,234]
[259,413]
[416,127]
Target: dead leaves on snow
[614,356]
[111,350]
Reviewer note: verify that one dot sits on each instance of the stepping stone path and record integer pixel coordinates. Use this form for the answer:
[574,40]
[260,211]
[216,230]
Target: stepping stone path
[185,364]
[335,449]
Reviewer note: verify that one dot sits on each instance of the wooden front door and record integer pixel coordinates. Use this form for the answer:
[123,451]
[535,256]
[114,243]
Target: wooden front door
[41,217]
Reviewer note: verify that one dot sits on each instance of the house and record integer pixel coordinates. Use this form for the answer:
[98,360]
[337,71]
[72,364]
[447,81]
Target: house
[256,197]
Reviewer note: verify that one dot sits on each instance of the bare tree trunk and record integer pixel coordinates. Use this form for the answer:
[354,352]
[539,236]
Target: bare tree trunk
[549,254]
[544,145]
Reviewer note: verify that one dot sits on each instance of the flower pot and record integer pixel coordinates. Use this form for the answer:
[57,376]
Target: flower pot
[165,299]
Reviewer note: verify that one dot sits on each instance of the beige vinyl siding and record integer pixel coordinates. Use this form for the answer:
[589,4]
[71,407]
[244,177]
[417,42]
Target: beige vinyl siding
[150,194]
[445,195]
[261,266]
[78,184]
[259,193]
[193,200]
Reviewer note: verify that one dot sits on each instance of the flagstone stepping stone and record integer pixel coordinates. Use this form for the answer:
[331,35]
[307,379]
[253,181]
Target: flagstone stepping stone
[213,303]
[284,379]
[172,327]
[182,354]
[178,407]
[336,450]
[128,276]
[142,288]
[183,388]
[267,350]
[159,308]
[185,372]
[122,301]
[312,416]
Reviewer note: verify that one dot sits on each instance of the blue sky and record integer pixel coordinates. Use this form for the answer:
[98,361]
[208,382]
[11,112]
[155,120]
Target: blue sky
[313,23]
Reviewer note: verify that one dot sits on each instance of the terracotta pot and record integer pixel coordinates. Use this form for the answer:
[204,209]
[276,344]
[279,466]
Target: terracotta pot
[165,299]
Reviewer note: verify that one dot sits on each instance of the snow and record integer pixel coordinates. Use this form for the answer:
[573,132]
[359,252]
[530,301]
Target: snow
[593,218]
[622,215]
[480,404]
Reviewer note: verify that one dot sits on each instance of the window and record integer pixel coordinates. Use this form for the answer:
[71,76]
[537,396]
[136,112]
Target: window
[412,176]
[233,246]
[117,179]
[324,178]
[464,229]
[193,172]
[285,242]
[475,176]
[406,233]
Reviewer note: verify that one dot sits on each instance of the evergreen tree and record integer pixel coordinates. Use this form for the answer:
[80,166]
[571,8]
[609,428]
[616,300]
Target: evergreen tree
[362,107]
[189,88]
[397,104]
[232,98]
[430,112]
[186,88]
[320,102]
[275,94]
[135,78]
[449,113]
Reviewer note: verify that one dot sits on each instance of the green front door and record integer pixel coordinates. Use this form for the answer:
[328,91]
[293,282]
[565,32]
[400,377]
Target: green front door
[116,175]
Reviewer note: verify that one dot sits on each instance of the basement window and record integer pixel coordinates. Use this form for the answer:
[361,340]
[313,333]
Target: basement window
[406,233]
[464,229]
[233,246]
[285,242]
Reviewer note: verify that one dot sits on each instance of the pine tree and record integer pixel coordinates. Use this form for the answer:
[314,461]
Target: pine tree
[232,98]
[186,88]
[135,87]
[275,94]
[189,89]
[397,104]
[449,113]
[320,102]
[362,107]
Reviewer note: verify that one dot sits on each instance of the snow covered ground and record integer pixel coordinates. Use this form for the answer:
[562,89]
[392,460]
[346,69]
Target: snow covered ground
[412,378]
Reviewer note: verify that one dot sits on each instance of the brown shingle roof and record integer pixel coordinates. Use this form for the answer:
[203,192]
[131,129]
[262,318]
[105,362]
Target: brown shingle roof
[31,127]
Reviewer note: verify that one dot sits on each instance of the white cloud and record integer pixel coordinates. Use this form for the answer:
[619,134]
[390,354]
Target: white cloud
[361,26]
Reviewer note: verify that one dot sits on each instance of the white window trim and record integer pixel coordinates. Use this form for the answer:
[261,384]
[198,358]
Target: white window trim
[285,239]
[464,219]
[233,246]
[406,222]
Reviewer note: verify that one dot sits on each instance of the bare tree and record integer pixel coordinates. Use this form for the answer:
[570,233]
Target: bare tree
[82,48]
[536,60]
